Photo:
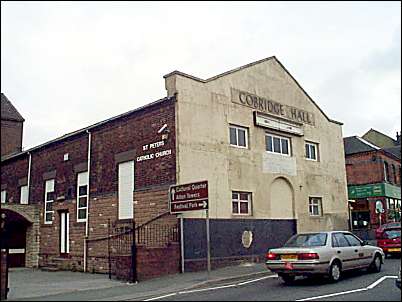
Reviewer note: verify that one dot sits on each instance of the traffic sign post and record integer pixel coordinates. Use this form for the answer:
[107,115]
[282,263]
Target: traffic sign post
[188,197]
[191,197]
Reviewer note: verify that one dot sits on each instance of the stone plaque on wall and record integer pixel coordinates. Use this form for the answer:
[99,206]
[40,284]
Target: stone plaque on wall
[275,163]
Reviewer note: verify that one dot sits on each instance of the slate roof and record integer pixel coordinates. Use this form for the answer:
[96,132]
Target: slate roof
[8,111]
[396,151]
[355,144]
[80,131]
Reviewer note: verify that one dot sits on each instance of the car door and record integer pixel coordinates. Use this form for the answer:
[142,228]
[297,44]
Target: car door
[343,250]
[360,255]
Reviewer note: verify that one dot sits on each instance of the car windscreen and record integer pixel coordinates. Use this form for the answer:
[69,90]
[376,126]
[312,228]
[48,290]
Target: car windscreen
[392,233]
[307,240]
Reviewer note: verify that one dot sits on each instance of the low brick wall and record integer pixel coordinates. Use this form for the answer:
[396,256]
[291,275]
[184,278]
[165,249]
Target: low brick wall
[158,261]
[152,262]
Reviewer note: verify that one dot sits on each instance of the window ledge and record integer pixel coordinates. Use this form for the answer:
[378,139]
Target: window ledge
[239,147]
[242,215]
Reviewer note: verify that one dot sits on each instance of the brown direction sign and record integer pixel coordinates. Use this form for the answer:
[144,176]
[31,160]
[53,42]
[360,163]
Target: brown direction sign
[189,197]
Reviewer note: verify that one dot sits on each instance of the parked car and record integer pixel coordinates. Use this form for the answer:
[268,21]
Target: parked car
[325,253]
[381,229]
[398,279]
[390,240]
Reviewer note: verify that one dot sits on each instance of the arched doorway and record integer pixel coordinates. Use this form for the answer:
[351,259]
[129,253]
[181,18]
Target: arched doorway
[282,199]
[14,237]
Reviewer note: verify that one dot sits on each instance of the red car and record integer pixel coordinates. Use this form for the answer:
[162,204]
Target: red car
[378,231]
[389,238]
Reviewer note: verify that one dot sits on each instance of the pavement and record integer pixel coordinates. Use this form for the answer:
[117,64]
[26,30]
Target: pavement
[33,284]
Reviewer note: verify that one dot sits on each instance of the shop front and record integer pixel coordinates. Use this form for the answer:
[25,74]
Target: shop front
[372,205]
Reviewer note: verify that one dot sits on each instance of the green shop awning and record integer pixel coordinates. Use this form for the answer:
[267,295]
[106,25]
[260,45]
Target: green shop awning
[374,190]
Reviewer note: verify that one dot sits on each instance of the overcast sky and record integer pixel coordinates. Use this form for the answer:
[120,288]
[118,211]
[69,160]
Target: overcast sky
[68,65]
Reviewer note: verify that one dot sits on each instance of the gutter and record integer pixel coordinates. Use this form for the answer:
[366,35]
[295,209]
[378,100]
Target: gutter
[88,183]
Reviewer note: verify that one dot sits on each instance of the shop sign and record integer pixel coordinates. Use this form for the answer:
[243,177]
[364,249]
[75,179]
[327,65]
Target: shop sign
[374,190]
[364,191]
[392,191]
[189,197]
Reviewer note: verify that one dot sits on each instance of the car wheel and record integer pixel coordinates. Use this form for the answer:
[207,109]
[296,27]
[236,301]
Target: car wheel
[375,266]
[288,279]
[334,272]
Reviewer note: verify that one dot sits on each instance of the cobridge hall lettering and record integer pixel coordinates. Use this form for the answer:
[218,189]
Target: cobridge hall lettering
[268,106]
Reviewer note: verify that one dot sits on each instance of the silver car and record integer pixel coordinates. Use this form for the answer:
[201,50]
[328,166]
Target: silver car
[326,253]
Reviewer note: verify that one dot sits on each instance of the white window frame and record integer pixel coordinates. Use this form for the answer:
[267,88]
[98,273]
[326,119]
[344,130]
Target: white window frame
[24,194]
[49,187]
[267,134]
[3,196]
[309,145]
[237,128]
[64,233]
[239,201]
[82,180]
[126,190]
[315,202]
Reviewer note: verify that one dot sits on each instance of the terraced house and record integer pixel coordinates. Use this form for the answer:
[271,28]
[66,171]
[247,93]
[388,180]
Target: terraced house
[274,162]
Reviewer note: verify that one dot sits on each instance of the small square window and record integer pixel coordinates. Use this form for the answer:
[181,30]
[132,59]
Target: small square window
[311,151]
[238,136]
[241,203]
[277,144]
[315,206]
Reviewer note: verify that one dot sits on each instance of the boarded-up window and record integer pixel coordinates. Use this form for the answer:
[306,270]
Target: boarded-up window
[3,196]
[126,190]
[24,195]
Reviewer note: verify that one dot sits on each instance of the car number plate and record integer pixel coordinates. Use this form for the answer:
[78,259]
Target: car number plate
[394,250]
[288,257]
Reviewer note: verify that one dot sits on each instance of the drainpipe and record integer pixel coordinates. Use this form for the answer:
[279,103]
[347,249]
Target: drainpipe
[86,222]
[29,174]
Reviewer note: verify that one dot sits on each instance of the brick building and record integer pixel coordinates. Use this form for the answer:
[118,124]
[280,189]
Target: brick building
[11,127]
[253,133]
[45,189]
[374,180]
